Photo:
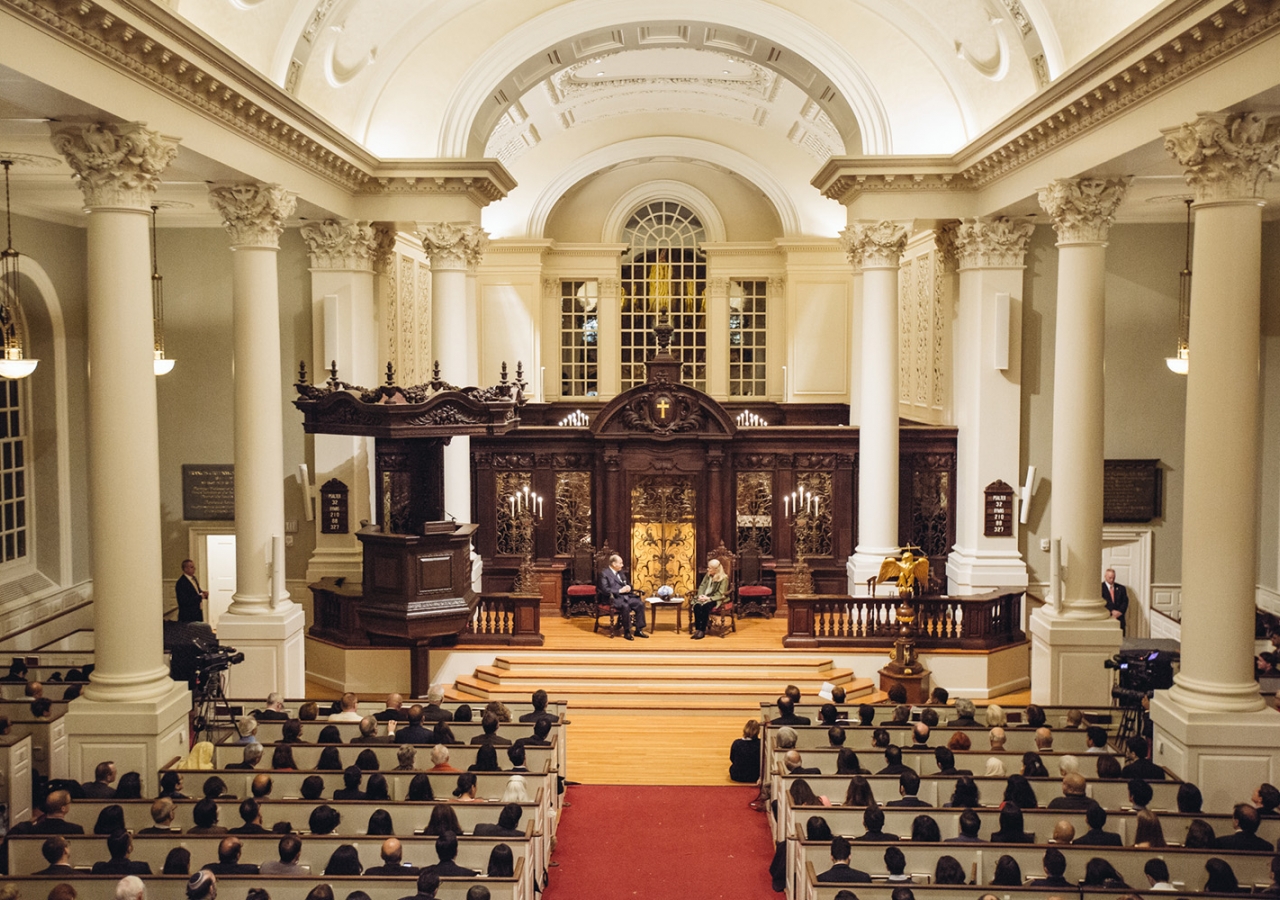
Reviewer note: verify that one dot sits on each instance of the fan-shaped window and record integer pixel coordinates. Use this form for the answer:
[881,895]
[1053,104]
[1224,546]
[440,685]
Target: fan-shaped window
[664,274]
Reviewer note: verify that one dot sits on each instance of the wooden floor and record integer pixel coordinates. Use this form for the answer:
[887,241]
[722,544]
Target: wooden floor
[673,746]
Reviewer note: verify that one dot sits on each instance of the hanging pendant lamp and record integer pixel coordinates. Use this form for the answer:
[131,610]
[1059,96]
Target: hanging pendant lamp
[13,360]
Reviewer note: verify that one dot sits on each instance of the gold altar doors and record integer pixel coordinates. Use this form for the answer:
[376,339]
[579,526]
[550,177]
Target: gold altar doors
[664,533]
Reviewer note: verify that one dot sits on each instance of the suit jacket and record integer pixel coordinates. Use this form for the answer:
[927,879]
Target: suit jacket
[240,765]
[388,869]
[212,829]
[496,739]
[121,867]
[611,583]
[878,836]
[188,600]
[1070,801]
[56,869]
[1051,881]
[1144,769]
[275,867]
[250,828]
[56,826]
[895,770]
[271,715]
[843,873]
[413,734]
[1120,602]
[805,770]
[158,829]
[396,715]
[964,839]
[96,790]
[792,719]
[954,771]
[533,742]
[1012,837]
[535,716]
[374,739]
[490,829]
[349,794]
[436,714]
[1241,841]
[963,722]
[451,869]
[219,868]
[907,801]
[1096,837]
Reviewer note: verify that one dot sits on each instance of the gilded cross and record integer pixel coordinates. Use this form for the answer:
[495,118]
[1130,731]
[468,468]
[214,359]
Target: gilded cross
[663,405]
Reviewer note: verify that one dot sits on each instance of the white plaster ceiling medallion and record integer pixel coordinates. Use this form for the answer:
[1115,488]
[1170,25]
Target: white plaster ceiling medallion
[702,70]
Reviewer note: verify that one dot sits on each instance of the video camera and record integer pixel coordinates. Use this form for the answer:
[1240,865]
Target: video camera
[215,658]
[1142,672]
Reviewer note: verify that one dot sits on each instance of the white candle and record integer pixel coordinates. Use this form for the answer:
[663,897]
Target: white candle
[539,507]
[513,506]
[786,505]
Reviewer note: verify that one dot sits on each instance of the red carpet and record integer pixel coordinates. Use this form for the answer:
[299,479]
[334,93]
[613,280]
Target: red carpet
[661,843]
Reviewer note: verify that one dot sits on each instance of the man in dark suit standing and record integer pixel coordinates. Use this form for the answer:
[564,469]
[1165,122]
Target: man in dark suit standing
[189,594]
[1116,597]
[614,586]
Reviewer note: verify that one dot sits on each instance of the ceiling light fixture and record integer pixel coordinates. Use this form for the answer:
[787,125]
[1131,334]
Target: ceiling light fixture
[13,363]
[163,365]
[1180,363]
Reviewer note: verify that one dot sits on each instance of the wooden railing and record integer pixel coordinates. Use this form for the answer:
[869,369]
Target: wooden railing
[980,622]
[503,618]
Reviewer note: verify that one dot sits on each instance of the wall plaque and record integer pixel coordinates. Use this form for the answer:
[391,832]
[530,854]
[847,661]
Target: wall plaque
[209,492]
[1132,490]
[333,507]
[998,518]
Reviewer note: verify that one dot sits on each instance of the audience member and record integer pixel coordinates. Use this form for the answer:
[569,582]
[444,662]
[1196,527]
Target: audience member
[229,859]
[251,816]
[841,872]
[104,775]
[1011,827]
[1246,821]
[1055,866]
[908,787]
[1139,766]
[348,711]
[1073,796]
[57,853]
[1096,817]
[446,851]
[393,711]
[56,807]
[162,811]
[965,711]
[1007,872]
[970,824]
[344,860]
[369,733]
[1147,832]
[288,850]
[1222,878]
[1157,873]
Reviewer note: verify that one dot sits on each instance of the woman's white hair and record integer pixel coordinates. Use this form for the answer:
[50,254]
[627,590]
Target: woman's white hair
[996,716]
[995,767]
[786,737]
[515,791]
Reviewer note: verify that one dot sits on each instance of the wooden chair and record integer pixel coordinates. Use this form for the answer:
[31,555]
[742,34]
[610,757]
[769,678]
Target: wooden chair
[604,607]
[754,597]
[580,592]
[724,614]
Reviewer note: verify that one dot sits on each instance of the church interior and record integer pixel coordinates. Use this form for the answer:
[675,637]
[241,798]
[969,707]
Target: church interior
[399,320]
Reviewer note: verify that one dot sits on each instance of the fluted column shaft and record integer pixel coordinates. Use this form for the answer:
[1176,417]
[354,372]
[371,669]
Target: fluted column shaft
[118,167]
[254,217]
[875,249]
[1226,157]
[453,247]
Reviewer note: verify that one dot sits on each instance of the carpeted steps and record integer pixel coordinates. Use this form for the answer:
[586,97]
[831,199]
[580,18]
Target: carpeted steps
[630,680]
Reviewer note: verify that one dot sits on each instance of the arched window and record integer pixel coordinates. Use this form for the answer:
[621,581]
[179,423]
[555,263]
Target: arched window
[664,273]
[13,473]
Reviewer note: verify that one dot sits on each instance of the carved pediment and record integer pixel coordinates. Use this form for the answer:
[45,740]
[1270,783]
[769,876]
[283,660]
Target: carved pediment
[664,410]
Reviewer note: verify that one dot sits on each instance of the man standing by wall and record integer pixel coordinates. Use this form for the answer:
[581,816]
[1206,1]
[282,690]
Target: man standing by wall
[1116,597]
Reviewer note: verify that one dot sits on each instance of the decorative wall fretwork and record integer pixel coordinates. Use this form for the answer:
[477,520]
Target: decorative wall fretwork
[663,534]
[811,533]
[754,511]
[513,538]
[573,510]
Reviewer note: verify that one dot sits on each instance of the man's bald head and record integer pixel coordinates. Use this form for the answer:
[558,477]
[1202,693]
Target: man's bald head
[997,738]
[394,701]
[1073,785]
[1064,832]
[792,760]
[261,785]
[392,852]
[1044,739]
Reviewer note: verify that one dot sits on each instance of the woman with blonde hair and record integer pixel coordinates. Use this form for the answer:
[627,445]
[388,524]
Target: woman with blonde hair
[200,757]
[995,716]
[712,592]
[515,791]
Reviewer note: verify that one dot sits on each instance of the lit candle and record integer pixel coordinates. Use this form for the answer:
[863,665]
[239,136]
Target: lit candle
[539,507]
[513,506]
[816,501]
[786,505]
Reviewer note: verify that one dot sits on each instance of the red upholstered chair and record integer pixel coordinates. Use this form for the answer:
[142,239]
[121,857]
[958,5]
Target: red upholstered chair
[754,597]
[580,592]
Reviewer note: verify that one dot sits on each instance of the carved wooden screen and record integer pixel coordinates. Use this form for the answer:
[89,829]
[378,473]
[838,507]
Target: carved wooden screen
[810,530]
[927,520]
[663,533]
[515,536]
[573,510]
[755,511]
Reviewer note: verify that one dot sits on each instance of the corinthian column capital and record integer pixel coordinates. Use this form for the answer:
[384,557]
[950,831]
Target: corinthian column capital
[253,213]
[874,245]
[998,243]
[341,245]
[1083,209]
[116,164]
[1227,156]
[453,245]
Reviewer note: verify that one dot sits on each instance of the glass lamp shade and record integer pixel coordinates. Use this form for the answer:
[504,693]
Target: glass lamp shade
[14,365]
[163,366]
[1180,364]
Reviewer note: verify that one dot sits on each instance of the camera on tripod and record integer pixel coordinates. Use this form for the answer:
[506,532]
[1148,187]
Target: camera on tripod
[211,660]
[1141,673]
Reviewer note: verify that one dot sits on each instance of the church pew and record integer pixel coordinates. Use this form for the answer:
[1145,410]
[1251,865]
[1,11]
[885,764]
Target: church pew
[473,852]
[460,755]
[1055,716]
[812,889]
[847,820]
[49,750]
[271,732]
[16,690]
[923,761]
[858,737]
[1186,866]
[936,791]
[369,706]
[408,817]
[280,887]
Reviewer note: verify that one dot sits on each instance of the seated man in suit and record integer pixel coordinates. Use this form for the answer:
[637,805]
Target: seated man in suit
[615,587]
[873,821]
[1116,596]
[251,815]
[350,790]
[1072,794]
[274,711]
[369,733]
[100,788]
[841,872]
[392,861]
[447,851]
[908,787]
[893,757]
[795,764]
[508,823]
[229,859]
[252,756]
[787,713]
[946,761]
[1139,766]
[489,732]
[57,853]
[413,733]
[1096,817]
[395,711]
[539,700]
[970,824]
[56,807]
[1245,837]
[120,845]
[964,714]
[428,884]
[1055,866]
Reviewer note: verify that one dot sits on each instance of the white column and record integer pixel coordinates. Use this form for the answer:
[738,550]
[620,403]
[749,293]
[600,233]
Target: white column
[1073,634]
[452,248]
[1215,701]
[875,248]
[608,342]
[131,711]
[717,300]
[344,330]
[269,629]
[987,348]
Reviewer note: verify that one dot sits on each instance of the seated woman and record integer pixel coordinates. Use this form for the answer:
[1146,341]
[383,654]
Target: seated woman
[711,593]
[744,755]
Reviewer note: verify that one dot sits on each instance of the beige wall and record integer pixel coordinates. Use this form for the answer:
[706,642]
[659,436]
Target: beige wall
[1269,474]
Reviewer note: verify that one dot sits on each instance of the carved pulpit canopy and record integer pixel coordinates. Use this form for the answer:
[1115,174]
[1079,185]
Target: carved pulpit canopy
[664,410]
[433,410]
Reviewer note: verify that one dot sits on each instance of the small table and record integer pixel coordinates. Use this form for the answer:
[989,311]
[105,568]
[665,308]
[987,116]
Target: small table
[675,602]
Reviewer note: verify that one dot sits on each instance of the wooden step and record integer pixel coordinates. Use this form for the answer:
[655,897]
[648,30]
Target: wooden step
[623,658]
[591,674]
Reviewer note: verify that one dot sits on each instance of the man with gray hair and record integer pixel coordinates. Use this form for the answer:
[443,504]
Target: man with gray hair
[785,737]
[964,713]
[1044,740]
[369,733]
[1068,765]
[252,756]
[130,887]
[997,739]
[432,712]
[202,886]
[440,759]
[274,710]
[795,765]
[406,757]
[247,728]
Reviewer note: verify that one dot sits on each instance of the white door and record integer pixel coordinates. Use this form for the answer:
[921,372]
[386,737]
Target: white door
[1128,551]
[220,579]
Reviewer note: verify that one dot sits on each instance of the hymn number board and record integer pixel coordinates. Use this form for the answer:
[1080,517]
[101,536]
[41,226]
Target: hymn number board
[333,507]
[999,510]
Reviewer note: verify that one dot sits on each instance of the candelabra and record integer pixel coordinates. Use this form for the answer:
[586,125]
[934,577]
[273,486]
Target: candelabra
[526,510]
[802,509]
